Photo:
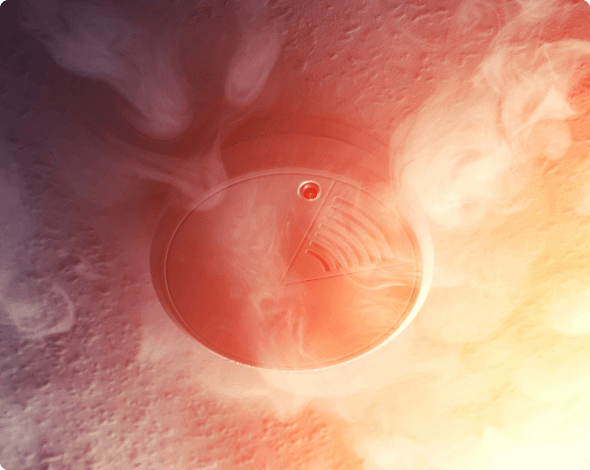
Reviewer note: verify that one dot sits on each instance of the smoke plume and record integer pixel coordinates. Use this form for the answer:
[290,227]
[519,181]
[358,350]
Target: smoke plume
[492,171]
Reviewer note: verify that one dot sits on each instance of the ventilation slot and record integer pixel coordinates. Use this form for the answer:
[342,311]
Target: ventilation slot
[349,237]
[356,233]
[337,251]
[325,256]
[320,259]
[375,230]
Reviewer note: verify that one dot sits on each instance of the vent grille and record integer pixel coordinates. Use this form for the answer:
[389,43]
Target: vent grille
[344,238]
[348,237]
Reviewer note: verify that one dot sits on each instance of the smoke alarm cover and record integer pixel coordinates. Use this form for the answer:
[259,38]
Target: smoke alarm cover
[288,270]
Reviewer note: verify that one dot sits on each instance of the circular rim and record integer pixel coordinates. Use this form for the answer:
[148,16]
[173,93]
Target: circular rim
[182,206]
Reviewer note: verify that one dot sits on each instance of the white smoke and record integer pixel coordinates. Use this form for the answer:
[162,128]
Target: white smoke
[493,372]
[37,308]
[143,63]
[142,66]
[492,163]
[256,55]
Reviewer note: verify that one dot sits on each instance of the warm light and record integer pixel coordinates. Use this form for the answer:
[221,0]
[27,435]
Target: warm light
[414,300]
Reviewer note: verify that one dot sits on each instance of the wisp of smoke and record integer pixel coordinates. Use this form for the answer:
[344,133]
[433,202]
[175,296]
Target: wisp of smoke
[139,63]
[493,372]
[491,162]
[256,54]
[143,64]
[36,309]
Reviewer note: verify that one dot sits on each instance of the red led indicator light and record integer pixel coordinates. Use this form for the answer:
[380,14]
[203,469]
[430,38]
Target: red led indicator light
[309,190]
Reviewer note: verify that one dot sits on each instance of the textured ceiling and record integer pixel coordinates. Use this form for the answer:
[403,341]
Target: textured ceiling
[93,374]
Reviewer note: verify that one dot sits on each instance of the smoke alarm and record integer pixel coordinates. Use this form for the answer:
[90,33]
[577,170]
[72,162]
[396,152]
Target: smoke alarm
[289,267]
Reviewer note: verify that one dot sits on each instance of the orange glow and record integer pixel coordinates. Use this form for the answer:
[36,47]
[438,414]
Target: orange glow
[476,123]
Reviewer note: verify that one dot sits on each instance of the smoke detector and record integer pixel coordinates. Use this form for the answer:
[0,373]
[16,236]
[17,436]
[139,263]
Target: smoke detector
[285,266]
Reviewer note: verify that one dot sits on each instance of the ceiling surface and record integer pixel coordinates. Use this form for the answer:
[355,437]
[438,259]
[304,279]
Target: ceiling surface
[483,109]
